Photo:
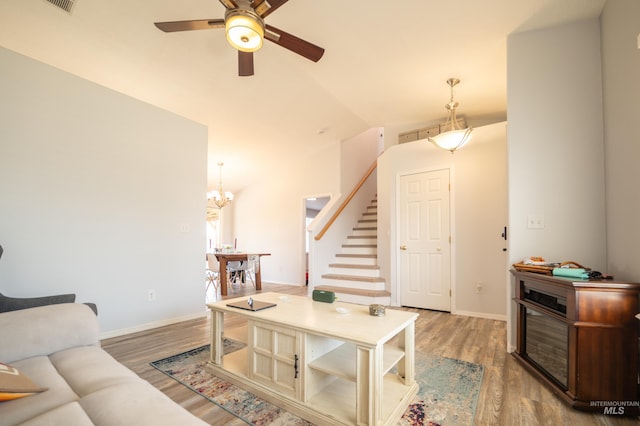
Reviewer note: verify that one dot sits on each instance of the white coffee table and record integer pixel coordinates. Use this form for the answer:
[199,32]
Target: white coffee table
[326,366]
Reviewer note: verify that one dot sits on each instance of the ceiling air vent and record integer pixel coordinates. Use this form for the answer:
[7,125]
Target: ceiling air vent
[66,5]
[427,132]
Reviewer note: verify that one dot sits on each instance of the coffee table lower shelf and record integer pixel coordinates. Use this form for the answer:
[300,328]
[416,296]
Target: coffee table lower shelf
[335,405]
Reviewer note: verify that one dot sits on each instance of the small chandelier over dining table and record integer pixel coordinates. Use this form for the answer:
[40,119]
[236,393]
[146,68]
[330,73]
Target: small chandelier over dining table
[219,197]
[451,137]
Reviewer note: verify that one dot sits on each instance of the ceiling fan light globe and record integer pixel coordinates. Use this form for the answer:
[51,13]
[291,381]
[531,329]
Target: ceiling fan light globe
[244,33]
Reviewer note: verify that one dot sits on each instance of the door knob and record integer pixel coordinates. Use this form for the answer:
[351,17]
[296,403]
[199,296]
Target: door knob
[403,247]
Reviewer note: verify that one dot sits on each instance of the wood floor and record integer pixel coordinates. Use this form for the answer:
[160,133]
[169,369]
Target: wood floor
[509,394]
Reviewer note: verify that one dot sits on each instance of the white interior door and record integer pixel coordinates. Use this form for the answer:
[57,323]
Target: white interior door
[424,237]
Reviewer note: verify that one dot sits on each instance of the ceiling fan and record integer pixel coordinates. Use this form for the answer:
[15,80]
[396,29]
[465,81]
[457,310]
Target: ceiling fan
[245,29]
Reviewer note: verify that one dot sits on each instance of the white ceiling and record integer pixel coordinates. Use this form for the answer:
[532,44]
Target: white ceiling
[385,64]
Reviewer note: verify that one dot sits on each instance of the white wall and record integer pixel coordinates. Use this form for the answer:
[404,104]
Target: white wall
[357,154]
[481,215]
[621,68]
[556,149]
[478,179]
[269,216]
[555,145]
[95,188]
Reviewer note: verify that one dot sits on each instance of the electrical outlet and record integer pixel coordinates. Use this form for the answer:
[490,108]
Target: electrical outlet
[479,287]
[151,295]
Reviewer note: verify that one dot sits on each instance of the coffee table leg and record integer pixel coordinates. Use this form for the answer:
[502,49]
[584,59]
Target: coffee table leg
[368,385]
[217,329]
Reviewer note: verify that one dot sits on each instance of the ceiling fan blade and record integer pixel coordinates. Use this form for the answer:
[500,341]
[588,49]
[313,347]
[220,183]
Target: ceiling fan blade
[293,43]
[266,7]
[245,63]
[198,24]
[229,4]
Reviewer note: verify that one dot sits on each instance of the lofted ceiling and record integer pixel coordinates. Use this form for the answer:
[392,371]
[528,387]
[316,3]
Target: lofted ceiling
[385,65]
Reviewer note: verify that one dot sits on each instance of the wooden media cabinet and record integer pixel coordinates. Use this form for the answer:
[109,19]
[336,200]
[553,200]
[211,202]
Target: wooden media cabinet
[580,337]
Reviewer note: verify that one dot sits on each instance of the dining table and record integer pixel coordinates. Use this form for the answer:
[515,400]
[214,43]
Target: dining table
[224,258]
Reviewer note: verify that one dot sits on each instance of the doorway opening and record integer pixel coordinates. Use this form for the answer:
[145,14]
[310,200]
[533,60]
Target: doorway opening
[312,206]
[212,289]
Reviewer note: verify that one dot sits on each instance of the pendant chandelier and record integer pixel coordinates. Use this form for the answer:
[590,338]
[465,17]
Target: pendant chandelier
[220,198]
[451,137]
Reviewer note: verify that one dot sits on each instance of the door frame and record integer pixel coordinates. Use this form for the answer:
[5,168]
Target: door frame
[452,215]
[307,261]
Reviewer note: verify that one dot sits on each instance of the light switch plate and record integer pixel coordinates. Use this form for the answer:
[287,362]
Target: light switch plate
[535,221]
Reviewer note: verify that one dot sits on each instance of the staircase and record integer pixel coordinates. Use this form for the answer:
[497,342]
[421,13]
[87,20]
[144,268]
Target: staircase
[355,275]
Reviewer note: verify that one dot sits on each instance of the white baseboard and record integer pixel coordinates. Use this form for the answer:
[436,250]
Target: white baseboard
[481,315]
[150,325]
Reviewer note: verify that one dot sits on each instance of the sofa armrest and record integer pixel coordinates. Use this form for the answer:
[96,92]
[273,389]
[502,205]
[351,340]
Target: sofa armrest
[47,329]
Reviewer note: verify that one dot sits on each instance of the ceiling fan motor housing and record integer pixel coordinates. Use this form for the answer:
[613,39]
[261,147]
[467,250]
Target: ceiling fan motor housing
[244,28]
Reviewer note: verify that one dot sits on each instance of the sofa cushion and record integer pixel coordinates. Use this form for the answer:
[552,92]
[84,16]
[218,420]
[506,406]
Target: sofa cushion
[44,373]
[47,329]
[70,414]
[135,404]
[15,384]
[89,369]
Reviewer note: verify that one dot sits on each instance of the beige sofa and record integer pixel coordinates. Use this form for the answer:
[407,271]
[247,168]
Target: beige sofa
[58,347]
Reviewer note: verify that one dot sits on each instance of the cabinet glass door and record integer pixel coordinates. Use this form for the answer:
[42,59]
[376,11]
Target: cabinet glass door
[547,343]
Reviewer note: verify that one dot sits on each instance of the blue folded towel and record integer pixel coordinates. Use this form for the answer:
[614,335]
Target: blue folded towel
[579,273]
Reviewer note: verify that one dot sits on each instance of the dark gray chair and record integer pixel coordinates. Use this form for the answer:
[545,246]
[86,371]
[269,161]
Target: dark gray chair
[15,303]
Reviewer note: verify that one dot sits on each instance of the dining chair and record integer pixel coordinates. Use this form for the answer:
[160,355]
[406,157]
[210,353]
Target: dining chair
[253,265]
[213,272]
[236,271]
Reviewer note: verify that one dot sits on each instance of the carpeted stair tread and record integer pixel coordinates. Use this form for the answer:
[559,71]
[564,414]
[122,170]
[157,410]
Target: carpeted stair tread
[359,256]
[352,278]
[352,266]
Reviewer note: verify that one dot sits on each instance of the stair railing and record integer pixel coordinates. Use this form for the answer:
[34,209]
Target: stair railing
[346,201]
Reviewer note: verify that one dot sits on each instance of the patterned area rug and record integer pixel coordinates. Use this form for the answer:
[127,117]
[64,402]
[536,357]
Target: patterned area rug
[448,394]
